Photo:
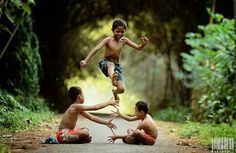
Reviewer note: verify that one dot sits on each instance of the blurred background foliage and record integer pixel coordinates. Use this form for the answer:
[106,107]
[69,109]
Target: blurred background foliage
[183,67]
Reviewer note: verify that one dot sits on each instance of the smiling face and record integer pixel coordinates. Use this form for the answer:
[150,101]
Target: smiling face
[119,32]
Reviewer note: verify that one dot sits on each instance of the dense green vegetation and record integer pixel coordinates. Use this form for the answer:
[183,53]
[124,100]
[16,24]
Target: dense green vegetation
[212,67]
[21,105]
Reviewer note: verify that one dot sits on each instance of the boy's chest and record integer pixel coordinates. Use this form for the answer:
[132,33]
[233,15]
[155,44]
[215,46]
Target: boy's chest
[115,45]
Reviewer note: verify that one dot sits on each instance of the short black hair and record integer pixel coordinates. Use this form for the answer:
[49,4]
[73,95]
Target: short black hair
[142,106]
[118,22]
[73,92]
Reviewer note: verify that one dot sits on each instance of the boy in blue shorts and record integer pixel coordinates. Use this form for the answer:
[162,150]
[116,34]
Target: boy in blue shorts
[110,65]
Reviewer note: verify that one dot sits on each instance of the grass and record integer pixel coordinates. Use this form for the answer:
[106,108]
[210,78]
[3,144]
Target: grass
[18,121]
[205,132]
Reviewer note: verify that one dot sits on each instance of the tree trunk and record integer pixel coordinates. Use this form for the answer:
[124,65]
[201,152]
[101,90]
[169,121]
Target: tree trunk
[212,10]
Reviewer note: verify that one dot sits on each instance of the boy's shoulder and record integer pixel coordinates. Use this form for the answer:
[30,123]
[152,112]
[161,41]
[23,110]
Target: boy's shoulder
[107,39]
[149,117]
[75,106]
[124,38]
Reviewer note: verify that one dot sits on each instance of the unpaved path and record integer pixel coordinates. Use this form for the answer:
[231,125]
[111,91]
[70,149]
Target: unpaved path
[166,142]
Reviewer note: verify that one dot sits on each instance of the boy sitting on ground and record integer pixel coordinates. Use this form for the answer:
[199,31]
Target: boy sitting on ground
[67,133]
[146,131]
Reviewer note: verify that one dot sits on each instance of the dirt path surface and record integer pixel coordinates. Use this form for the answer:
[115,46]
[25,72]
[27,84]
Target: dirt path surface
[167,142]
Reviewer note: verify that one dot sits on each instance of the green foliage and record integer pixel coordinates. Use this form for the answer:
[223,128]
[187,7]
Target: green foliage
[205,132]
[21,66]
[4,148]
[13,11]
[14,116]
[28,58]
[177,114]
[212,67]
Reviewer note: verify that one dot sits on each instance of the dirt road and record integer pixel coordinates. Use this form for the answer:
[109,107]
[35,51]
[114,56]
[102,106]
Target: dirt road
[165,143]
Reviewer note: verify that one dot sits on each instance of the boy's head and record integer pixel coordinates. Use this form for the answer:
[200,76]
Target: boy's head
[75,94]
[118,27]
[119,22]
[141,108]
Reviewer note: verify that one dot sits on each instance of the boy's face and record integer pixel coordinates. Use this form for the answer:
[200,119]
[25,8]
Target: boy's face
[81,98]
[138,113]
[119,32]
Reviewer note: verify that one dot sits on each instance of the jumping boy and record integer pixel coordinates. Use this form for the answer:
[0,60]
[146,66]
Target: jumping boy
[146,131]
[67,133]
[113,47]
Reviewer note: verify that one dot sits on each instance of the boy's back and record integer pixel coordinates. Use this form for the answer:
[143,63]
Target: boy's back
[149,126]
[69,118]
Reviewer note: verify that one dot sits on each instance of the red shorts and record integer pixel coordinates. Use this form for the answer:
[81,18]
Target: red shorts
[148,140]
[68,135]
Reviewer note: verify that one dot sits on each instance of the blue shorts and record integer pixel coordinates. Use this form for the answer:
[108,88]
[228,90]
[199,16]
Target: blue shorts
[118,69]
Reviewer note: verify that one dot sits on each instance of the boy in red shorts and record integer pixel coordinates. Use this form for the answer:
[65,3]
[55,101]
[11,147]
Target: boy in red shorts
[145,133]
[67,133]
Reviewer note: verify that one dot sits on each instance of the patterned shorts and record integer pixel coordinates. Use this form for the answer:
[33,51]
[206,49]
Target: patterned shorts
[118,69]
[68,135]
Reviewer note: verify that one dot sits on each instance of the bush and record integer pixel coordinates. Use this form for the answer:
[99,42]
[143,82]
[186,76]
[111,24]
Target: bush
[177,114]
[14,116]
[212,69]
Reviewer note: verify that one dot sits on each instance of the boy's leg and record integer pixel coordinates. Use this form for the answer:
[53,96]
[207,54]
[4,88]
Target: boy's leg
[119,90]
[129,140]
[111,73]
[79,135]
[130,131]
[143,138]
[84,135]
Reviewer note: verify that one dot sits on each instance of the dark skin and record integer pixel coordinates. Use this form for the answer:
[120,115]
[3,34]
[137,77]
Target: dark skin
[146,125]
[113,48]
[70,117]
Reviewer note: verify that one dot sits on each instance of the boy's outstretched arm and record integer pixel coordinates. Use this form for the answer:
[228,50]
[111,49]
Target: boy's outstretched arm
[111,102]
[125,117]
[92,53]
[136,46]
[98,120]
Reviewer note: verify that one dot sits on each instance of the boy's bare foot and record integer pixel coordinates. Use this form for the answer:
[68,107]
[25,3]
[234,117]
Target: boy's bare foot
[115,95]
[114,79]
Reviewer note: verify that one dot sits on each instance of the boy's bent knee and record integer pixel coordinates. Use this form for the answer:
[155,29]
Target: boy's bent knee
[84,133]
[129,140]
[137,132]
[110,64]
[120,90]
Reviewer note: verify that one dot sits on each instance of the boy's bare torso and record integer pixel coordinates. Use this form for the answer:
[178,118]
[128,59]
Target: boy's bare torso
[114,49]
[148,125]
[70,117]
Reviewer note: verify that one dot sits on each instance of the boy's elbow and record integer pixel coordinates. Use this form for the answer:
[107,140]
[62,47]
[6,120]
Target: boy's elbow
[139,48]
[96,107]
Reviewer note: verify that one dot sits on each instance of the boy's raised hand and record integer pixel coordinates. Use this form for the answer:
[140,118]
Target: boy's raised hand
[115,113]
[144,39]
[83,63]
[113,102]
[111,125]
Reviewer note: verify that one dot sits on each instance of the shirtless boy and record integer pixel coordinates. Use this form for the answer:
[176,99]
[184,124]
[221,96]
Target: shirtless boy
[67,133]
[113,47]
[146,131]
